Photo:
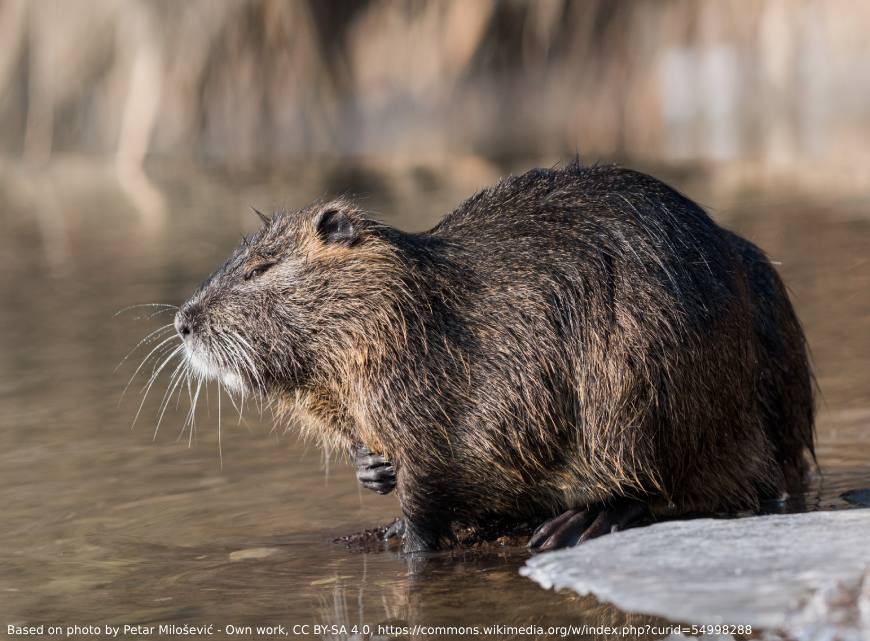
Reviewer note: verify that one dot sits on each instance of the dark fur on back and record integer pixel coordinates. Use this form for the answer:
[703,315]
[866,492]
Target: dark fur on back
[564,337]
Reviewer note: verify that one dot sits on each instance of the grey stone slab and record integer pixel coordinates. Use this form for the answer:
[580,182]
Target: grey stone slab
[806,576]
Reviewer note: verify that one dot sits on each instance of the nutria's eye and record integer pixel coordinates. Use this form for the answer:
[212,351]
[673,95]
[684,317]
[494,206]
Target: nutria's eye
[256,271]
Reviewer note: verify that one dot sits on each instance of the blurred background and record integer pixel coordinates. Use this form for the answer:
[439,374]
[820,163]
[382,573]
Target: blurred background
[782,84]
[136,134]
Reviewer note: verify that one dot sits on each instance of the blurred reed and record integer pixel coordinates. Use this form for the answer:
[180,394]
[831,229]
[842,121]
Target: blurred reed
[244,82]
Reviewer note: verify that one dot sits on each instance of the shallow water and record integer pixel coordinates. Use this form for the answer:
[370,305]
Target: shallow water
[104,524]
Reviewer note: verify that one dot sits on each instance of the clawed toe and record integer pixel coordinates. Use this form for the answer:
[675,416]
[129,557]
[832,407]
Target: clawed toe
[381,479]
[577,526]
[396,530]
[562,531]
[374,471]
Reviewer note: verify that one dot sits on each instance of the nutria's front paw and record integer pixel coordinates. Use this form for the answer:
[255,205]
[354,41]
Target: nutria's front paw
[579,525]
[373,470]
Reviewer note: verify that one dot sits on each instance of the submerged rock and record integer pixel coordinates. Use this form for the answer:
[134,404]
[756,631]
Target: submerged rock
[805,576]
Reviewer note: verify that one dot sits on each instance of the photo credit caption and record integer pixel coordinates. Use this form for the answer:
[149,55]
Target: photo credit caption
[376,631]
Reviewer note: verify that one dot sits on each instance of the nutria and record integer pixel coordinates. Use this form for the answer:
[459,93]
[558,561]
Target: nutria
[581,343]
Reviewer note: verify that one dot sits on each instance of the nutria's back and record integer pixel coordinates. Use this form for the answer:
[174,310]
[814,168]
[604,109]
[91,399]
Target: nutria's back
[563,338]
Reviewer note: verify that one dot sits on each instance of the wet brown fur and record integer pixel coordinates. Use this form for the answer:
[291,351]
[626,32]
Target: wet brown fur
[565,337]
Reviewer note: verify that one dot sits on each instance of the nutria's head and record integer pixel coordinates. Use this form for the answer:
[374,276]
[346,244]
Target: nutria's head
[292,301]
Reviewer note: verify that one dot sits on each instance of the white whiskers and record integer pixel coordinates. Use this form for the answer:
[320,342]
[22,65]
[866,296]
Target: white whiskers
[224,356]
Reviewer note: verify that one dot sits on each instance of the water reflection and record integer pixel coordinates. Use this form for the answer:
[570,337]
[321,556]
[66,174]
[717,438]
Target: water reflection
[107,525]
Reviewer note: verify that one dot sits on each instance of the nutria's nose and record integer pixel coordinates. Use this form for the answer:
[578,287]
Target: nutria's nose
[183,324]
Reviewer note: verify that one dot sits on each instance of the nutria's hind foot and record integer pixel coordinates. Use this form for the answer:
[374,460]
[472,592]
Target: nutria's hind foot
[373,471]
[579,525]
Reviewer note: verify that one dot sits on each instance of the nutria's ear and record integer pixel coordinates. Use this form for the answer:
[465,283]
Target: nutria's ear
[334,226]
